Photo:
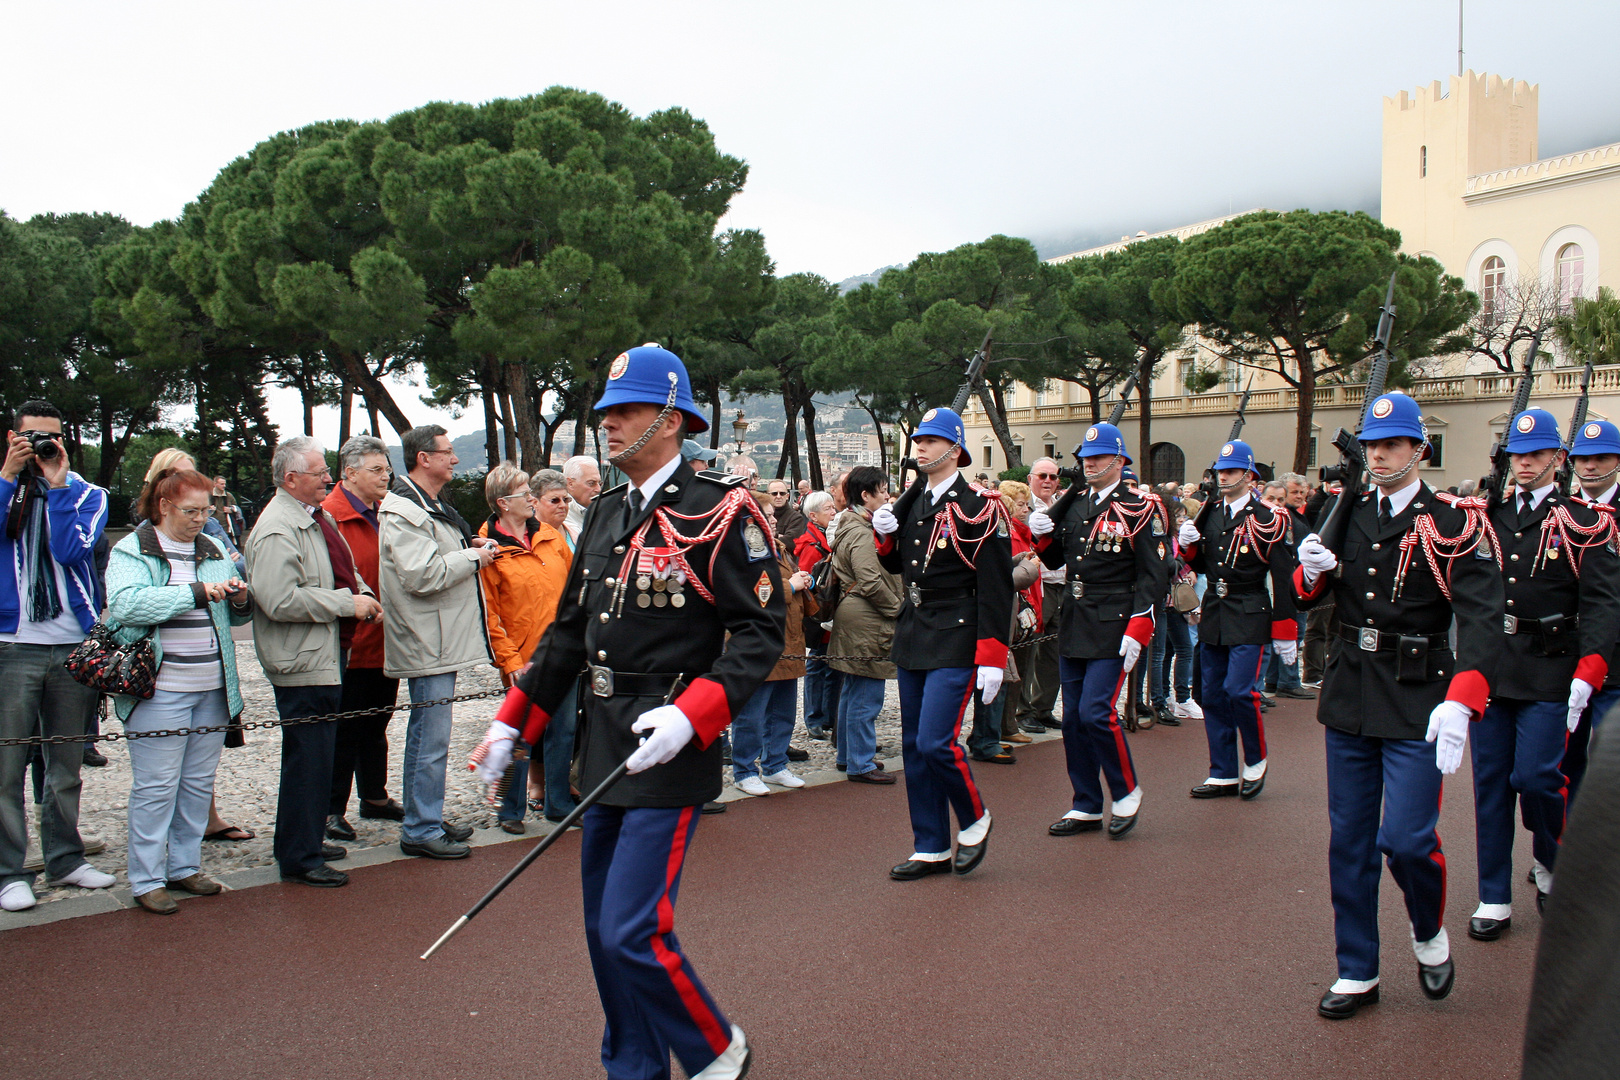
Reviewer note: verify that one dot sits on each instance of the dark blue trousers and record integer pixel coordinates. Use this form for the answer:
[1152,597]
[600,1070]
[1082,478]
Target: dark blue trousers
[1232,707]
[1398,775]
[1518,748]
[305,793]
[1093,741]
[630,869]
[1574,767]
[932,704]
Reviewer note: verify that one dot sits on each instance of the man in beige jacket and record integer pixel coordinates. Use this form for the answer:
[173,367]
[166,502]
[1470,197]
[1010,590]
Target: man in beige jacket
[434,626]
[304,588]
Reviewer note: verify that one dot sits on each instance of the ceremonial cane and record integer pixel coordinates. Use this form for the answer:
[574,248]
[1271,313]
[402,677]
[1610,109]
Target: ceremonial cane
[539,849]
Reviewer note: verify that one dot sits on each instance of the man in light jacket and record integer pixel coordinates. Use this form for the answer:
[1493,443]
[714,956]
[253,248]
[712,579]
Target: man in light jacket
[433,626]
[306,595]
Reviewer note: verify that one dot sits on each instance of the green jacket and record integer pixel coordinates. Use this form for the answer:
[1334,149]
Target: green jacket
[140,599]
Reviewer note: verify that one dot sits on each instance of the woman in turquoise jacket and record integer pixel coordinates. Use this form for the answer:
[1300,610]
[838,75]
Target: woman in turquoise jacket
[171,581]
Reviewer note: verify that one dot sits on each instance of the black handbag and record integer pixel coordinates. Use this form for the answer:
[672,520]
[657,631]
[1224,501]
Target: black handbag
[101,663]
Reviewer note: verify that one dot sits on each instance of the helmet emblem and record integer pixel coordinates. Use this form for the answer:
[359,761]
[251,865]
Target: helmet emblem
[1091,434]
[620,365]
[1383,407]
[1593,431]
[1526,423]
[1226,451]
[929,415]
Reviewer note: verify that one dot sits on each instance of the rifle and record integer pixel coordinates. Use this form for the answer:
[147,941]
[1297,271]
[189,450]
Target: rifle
[1211,487]
[1576,419]
[1076,473]
[975,372]
[1501,466]
[1352,468]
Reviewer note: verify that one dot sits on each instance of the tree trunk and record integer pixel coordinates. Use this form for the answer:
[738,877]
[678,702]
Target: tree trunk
[1307,406]
[526,409]
[816,480]
[371,411]
[581,423]
[714,424]
[376,394]
[503,405]
[306,391]
[492,429]
[998,422]
[1144,422]
[790,441]
[345,412]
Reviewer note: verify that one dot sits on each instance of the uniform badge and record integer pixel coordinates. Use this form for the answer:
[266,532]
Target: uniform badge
[1161,549]
[1526,423]
[754,539]
[620,365]
[1383,407]
[1157,525]
[762,588]
[1001,530]
[1593,431]
[929,415]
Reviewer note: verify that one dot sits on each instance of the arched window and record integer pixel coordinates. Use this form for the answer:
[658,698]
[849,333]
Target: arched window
[1169,464]
[1492,280]
[1423,161]
[1571,273]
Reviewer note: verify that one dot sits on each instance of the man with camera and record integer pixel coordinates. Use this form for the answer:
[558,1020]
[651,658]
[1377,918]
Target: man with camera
[50,596]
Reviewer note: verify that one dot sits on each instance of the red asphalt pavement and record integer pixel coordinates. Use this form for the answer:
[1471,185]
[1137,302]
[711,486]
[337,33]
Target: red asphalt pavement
[1197,946]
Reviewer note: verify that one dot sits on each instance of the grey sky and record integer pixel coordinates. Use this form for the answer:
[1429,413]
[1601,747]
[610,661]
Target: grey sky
[873,130]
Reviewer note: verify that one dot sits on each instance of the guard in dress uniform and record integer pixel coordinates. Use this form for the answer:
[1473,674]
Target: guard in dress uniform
[1248,542]
[1596,457]
[950,543]
[1413,561]
[1562,580]
[1114,541]
[667,566]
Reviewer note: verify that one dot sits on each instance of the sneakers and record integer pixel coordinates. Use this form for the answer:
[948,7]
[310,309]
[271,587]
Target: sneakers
[85,876]
[784,779]
[17,896]
[1187,710]
[752,785]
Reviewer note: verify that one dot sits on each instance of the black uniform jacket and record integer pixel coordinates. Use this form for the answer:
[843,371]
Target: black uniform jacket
[1360,690]
[1562,627]
[594,627]
[1240,556]
[956,613]
[1115,581]
[1612,682]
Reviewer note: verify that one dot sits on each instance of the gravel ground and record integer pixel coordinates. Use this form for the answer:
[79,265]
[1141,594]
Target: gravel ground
[245,786]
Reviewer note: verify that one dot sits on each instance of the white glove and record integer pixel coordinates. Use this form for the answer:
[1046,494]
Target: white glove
[1040,523]
[990,682]
[1188,534]
[1580,695]
[1315,558]
[1131,650]
[1448,730]
[884,522]
[670,730]
[491,756]
[1286,651]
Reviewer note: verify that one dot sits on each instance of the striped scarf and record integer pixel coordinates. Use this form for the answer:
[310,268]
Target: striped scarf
[34,552]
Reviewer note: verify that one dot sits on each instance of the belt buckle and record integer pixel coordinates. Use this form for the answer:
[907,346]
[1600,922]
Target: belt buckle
[914,594]
[1220,589]
[1077,589]
[601,681]
[1510,624]
[1368,640]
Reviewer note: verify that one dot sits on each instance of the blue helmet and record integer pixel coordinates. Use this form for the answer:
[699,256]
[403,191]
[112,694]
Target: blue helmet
[945,424]
[651,375]
[1596,437]
[1101,440]
[1395,416]
[1532,430]
[1237,454]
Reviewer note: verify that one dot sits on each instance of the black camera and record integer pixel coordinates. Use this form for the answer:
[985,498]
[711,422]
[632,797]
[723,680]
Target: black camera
[43,444]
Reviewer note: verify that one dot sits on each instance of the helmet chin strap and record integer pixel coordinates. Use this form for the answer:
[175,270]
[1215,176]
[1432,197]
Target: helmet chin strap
[646,436]
[1535,482]
[1603,478]
[946,456]
[1227,489]
[1118,459]
[1384,479]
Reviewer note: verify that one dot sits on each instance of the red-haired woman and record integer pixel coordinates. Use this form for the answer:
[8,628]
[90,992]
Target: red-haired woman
[170,580]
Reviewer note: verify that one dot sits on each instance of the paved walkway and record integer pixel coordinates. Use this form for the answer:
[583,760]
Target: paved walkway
[1196,947]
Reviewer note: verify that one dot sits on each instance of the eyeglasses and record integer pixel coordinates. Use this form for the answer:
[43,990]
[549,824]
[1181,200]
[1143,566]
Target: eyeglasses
[516,495]
[191,512]
[444,451]
[779,494]
[309,472]
[1044,475]
[374,470]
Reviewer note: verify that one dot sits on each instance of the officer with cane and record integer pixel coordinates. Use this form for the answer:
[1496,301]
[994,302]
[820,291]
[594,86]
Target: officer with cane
[667,566]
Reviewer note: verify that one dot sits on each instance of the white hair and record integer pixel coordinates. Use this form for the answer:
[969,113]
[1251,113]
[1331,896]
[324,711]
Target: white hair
[574,466]
[358,448]
[289,455]
[816,501]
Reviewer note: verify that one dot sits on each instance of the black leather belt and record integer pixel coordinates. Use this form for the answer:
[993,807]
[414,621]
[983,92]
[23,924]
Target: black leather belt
[1080,590]
[1224,588]
[1370,640]
[1513,624]
[921,597]
[605,682]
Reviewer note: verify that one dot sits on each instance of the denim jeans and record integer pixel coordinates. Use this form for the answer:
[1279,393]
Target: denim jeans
[427,749]
[763,728]
[1172,656]
[557,757]
[985,738]
[1281,675]
[822,685]
[858,708]
[171,785]
[38,696]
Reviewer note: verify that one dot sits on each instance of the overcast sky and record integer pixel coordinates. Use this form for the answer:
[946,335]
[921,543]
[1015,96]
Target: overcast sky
[873,130]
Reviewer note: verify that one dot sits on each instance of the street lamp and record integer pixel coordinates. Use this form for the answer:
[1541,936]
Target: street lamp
[740,427]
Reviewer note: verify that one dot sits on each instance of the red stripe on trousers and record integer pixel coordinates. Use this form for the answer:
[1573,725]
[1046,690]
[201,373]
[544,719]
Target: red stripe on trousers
[1438,857]
[1254,696]
[705,1019]
[1120,748]
[961,758]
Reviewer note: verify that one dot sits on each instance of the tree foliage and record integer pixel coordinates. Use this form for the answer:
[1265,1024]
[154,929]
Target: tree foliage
[1590,329]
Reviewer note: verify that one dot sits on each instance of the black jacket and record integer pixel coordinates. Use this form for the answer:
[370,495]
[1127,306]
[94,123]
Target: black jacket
[1264,540]
[1360,691]
[1118,557]
[600,621]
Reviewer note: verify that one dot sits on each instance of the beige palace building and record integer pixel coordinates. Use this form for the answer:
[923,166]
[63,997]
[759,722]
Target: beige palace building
[1462,182]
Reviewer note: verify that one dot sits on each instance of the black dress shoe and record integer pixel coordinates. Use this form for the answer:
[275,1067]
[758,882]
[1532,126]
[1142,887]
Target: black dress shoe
[970,855]
[714,808]
[1487,929]
[817,733]
[1289,691]
[513,826]
[458,833]
[1248,789]
[1031,727]
[333,852]
[93,757]
[1002,758]
[1541,902]
[1168,718]
[1073,826]
[1436,979]
[388,811]
[912,869]
[1215,791]
[338,828]
[1344,1006]
[795,754]
[322,877]
[1119,826]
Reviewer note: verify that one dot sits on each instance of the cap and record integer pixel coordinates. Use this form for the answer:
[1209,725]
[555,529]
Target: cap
[1532,430]
[647,374]
[1237,454]
[945,424]
[1103,439]
[1395,416]
[692,450]
[1596,437]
